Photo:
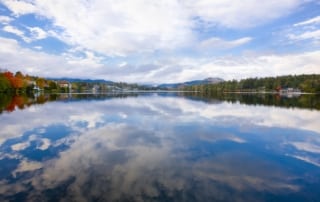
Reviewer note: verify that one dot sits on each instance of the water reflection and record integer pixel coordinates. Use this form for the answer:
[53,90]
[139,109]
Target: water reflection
[308,101]
[159,148]
[10,103]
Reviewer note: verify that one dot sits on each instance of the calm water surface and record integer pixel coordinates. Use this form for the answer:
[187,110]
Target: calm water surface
[158,147]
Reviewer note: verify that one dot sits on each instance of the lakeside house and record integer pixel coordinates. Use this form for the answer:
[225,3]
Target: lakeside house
[289,91]
[36,88]
[95,88]
[63,84]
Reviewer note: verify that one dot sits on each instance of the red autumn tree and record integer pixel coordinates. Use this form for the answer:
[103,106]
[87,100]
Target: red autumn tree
[10,77]
[16,81]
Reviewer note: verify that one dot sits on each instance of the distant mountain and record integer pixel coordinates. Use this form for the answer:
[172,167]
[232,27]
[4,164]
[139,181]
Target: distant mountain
[210,80]
[72,80]
[167,86]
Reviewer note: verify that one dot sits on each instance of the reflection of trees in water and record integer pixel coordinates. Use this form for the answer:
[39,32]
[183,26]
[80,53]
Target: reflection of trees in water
[10,103]
[308,101]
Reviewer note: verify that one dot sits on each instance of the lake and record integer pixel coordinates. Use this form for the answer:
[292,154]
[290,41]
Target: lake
[159,147]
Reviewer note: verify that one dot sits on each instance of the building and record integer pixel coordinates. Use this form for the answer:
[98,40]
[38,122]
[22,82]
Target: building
[63,84]
[290,91]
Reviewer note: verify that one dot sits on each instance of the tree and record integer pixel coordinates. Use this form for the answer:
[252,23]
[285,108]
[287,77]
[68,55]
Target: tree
[9,76]
[19,75]
[52,85]
[4,83]
[40,82]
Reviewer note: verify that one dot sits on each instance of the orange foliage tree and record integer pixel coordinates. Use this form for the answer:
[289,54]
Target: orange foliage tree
[16,81]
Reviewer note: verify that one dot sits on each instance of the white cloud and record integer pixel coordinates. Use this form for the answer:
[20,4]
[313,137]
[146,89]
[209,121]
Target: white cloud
[38,47]
[171,69]
[307,159]
[315,20]
[218,43]
[312,147]
[306,31]
[5,19]
[19,7]
[92,120]
[120,29]
[265,65]
[45,144]
[15,58]
[20,146]
[241,14]
[26,165]
[89,59]
[140,26]
[233,67]
[314,35]
[37,33]
[123,64]
[13,30]
[16,31]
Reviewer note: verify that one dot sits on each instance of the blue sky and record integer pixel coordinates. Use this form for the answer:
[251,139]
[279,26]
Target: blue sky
[160,41]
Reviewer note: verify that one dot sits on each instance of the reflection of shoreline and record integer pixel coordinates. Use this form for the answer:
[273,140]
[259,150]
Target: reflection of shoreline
[267,92]
[144,147]
[301,100]
[281,93]
[154,146]
[9,103]
[290,94]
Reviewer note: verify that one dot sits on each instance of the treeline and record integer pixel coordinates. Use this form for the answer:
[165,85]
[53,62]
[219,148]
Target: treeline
[19,83]
[10,82]
[304,83]
[12,102]
[307,101]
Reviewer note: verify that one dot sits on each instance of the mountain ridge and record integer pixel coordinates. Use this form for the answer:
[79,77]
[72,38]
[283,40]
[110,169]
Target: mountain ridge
[71,80]
[209,80]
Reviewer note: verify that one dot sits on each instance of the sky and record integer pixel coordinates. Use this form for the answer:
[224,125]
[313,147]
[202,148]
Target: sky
[163,41]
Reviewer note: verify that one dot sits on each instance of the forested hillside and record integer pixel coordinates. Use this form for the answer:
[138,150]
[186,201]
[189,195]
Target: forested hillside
[304,83]
[20,83]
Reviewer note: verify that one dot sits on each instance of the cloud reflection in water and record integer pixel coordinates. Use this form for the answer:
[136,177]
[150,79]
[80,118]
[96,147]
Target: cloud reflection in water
[159,149]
